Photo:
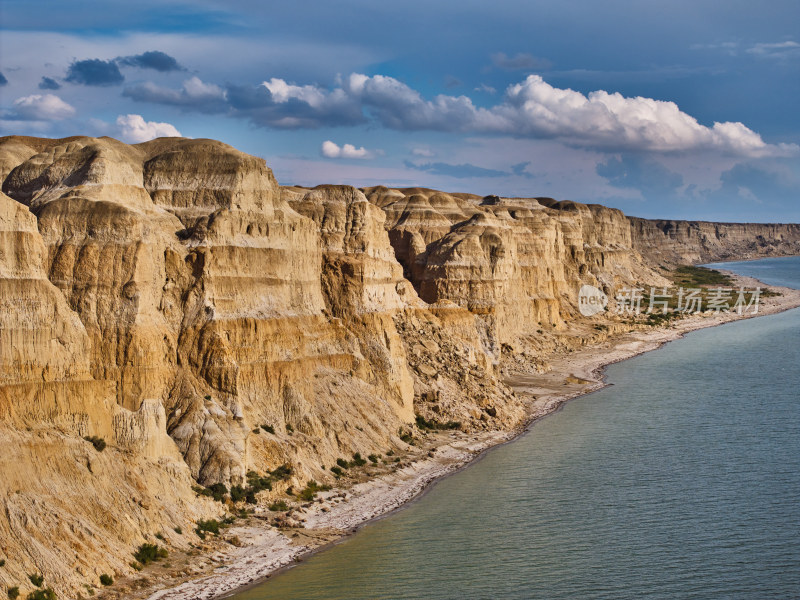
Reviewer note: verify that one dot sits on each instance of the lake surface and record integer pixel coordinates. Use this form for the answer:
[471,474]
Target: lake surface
[682,480]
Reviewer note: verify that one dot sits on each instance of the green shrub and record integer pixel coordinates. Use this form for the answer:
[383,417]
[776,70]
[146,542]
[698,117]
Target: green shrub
[257,482]
[217,491]
[106,579]
[178,530]
[311,489]
[147,553]
[282,472]
[424,423]
[337,471]
[342,463]
[357,460]
[279,506]
[374,458]
[210,526]
[36,580]
[159,537]
[136,566]
[2,562]
[269,428]
[256,431]
[405,436]
[13,593]
[289,429]
[46,594]
[238,493]
[98,442]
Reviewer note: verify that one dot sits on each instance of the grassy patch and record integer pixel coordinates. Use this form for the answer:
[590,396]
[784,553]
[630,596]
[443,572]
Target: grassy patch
[106,579]
[279,506]
[691,276]
[36,580]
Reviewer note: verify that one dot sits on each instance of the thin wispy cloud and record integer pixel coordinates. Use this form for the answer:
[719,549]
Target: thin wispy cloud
[423,152]
[521,61]
[468,170]
[779,50]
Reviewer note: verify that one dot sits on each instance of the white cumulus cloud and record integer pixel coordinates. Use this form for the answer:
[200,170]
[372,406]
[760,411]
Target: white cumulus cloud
[532,108]
[604,119]
[42,107]
[134,129]
[332,150]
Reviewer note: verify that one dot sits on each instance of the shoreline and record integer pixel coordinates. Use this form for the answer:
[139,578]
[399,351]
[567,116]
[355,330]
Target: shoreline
[340,513]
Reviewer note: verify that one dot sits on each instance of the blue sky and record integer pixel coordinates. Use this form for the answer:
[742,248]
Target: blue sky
[686,109]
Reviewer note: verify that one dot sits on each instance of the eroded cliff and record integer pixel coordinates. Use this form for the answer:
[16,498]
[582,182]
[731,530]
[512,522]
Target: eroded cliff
[172,300]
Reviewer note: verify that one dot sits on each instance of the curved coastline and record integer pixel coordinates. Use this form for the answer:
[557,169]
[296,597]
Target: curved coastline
[268,552]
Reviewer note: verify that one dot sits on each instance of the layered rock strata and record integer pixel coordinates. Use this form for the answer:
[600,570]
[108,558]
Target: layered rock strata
[172,300]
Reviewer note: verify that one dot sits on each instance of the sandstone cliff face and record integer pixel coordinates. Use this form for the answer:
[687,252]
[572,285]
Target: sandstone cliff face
[515,263]
[163,297]
[170,298]
[689,242]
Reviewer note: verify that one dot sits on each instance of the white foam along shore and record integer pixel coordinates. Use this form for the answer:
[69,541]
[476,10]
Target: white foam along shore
[265,550]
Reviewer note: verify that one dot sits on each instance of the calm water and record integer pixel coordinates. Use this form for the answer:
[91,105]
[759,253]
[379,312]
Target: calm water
[682,480]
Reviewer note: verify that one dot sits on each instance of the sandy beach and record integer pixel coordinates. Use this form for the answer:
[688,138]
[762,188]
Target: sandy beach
[261,550]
